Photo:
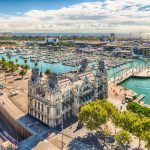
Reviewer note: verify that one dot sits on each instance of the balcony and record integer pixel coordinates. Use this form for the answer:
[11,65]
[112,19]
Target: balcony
[86,91]
[67,96]
[39,98]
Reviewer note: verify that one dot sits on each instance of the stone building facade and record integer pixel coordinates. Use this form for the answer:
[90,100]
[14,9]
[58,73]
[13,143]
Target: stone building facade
[61,96]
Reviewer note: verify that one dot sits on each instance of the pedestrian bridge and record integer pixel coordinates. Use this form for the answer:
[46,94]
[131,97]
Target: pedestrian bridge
[125,73]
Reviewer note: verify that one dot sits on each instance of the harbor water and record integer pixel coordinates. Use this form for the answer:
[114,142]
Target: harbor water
[140,86]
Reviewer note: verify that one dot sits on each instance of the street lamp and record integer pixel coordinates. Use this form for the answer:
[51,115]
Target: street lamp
[62,127]
[62,133]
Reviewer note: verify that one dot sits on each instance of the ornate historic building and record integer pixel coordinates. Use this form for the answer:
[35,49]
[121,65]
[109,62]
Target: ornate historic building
[50,99]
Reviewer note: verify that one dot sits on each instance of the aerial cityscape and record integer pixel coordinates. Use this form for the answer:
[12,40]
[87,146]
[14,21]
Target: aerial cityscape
[74,75]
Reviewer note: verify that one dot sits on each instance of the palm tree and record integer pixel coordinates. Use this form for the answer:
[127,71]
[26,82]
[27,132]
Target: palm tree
[5,67]
[16,60]
[48,72]
[3,60]
[9,55]
[26,67]
[25,61]
[22,66]
[22,73]
[10,63]
[35,64]
[13,68]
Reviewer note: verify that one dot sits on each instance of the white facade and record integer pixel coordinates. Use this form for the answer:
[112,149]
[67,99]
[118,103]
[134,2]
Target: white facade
[57,97]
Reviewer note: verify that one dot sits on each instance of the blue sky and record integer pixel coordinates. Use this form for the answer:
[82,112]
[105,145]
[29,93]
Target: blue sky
[11,7]
[87,16]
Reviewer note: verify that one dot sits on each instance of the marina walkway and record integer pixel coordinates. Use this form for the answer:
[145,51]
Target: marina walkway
[144,73]
[139,71]
[139,98]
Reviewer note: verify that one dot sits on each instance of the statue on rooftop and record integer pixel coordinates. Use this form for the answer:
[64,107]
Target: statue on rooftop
[35,74]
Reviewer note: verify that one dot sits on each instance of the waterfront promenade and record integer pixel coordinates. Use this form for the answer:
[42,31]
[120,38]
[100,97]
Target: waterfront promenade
[117,93]
[145,73]
[139,71]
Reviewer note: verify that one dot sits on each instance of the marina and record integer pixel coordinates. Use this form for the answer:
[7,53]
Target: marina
[61,61]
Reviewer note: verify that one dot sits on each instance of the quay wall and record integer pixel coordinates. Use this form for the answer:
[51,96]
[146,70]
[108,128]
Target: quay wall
[123,80]
[142,77]
[133,76]
[20,130]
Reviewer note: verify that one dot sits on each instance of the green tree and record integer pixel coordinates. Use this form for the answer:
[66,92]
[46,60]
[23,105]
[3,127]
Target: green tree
[48,72]
[3,60]
[127,120]
[13,68]
[22,73]
[26,67]
[35,64]
[93,115]
[110,108]
[8,55]
[116,119]
[123,138]
[106,132]
[5,67]
[112,111]
[141,126]
[146,138]
[140,110]
[16,60]
[22,66]
[25,61]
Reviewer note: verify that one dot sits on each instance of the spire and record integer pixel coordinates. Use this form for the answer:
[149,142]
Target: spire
[101,69]
[35,74]
[52,81]
[84,65]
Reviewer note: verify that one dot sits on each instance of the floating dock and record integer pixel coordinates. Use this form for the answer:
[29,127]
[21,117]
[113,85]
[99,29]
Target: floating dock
[139,98]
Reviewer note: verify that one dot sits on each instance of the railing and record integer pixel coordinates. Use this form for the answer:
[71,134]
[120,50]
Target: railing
[39,98]
[126,72]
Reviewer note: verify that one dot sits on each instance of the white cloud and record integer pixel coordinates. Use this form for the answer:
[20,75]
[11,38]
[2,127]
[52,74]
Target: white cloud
[108,16]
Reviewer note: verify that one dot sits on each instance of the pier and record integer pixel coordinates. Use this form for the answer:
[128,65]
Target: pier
[139,98]
[138,70]
[144,74]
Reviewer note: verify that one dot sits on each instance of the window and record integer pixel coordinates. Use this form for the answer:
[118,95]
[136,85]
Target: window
[58,111]
[47,120]
[30,102]
[63,107]
[57,121]
[35,104]
[48,110]
[39,115]
[31,111]
[42,107]
[38,105]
